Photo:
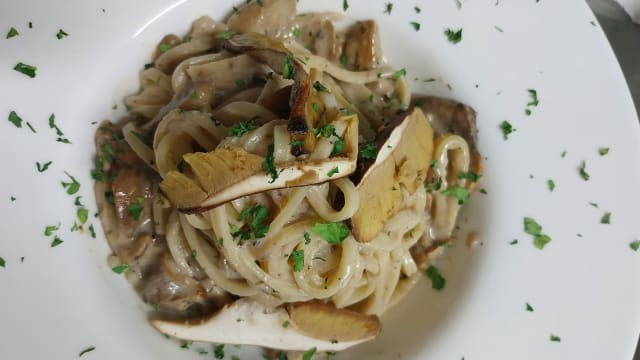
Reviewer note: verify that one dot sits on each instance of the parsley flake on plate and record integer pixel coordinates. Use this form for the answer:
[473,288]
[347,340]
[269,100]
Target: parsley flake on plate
[287,69]
[43,167]
[320,88]
[458,192]
[528,307]
[437,280]
[397,74]
[308,355]
[507,129]
[28,70]
[333,232]
[634,245]
[136,208]
[2,262]
[120,269]
[388,7]
[12,32]
[345,5]
[470,175]
[218,351]
[89,349]
[554,338]
[56,241]
[415,25]
[61,34]
[603,151]
[454,36]
[71,187]
[15,119]
[333,171]
[606,218]
[583,171]
[532,227]
[551,184]
[307,238]
[225,35]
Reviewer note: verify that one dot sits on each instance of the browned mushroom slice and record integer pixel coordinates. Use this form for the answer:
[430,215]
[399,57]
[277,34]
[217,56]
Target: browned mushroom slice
[263,327]
[405,151]
[302,117]
[362,46]
[324,321]
[227,173]
[273,18]
[450,116]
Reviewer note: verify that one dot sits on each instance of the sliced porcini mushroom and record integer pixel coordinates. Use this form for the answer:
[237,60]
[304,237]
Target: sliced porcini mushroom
[404,153]
[247,322]
[362,46]
[450,116]
[230,172]
[302,117]
[273,18]
[324,321]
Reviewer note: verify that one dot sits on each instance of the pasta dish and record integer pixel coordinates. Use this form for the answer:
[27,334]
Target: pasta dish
[275,167]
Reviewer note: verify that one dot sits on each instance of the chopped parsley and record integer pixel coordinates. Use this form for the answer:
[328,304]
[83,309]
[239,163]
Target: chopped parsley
[513,242]
[257,214]
[242,128]
[417,10]
[12,32]
[333,232]
[551,184]
[320,88]
[240,83]
[529,307]
[325,131]
[26,69]
[397,74]
[368,151]
[43,167]
[333,171]
[164,47]
[297,143]
[434,165]
[186,344]
[634,245]
[338,146]
[554,338]
[225,35]
[15,119]
[297,256]
[218,351]
[285,324]
[437,281]
[136,208]
[139,136]
[73,186]
[83,215]
[606,218]
[343,60]
[307,238]
[454,36]
[499,29]
[61,34]
[89,349]
[458,192]
[31,127]
[56,241]
[309,354]
[296,32]
[433,186]
[416,26]
[269,165]
[531,227]
[603,151]
[59,133]
[51,229]
[92,231]
[316,107]
[388,7]
[583,172]
[120,269]
[470,175]
[507,129]
[288,70]
[345,5]
[534,97]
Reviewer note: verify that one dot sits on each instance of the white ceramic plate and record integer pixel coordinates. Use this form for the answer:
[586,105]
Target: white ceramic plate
[583,288]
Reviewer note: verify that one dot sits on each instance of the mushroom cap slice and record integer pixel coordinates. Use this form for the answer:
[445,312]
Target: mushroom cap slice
[227,173]
[403,160]
[258,326]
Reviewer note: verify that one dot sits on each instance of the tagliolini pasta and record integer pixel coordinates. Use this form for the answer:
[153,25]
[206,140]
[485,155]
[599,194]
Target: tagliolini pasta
[277,158]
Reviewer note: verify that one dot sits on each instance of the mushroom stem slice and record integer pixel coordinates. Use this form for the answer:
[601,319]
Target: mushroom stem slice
[246,322]
[405,151]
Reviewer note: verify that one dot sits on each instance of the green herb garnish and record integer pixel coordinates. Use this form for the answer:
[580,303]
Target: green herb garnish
[507,129]
[583,171]
[56,241]
[606,218]
[551,184]
[51,229]
[296,32]
[534,97]
[634,245]
[528,307]
[532,227]
[15,119]
[458,192]
[309,354]
[120,269]
[320,88]
[368,151]
[43,167]
[470,175]
[73,186]
[297,256]
[316,107]
[333,232]
[397,74]
[554,338]
[333,171]
[345,5]
[12,32]
[136,207]
[92,231]
[83,215]
[513,242]
[218,351]
[269,165]
[603,151]
[2,262]
[338,146]
[240,83]
[59,133]
[285,324]
[307,238]
[437,281]
[61,33]
[416,26]
[325,131]
[89,349]
[28,70]
[164,47]
[225,35]
[388,7]
[186,344]
[258,215]
[288,71]
[241,128]
[454,36]
[417,10]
